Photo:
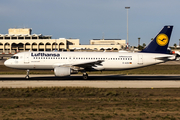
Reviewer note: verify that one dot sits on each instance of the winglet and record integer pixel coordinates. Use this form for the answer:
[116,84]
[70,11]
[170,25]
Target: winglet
[160,43]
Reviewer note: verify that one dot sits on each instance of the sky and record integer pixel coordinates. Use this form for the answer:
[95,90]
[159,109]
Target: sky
[92,19]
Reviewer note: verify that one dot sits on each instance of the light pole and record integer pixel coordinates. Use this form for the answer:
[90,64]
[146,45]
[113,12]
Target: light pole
[127,24]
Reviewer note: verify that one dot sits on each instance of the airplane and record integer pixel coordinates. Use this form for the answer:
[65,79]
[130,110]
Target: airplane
[67,63]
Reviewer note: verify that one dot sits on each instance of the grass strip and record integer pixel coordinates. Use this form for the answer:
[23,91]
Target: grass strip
[89,103]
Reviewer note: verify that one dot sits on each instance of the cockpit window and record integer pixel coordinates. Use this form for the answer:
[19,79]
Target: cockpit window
[14,57]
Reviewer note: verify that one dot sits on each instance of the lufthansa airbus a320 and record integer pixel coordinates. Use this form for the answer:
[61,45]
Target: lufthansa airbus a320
[67,63]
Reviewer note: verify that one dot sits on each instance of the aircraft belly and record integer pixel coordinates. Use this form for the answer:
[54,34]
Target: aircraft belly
[118,65]
[123,65]
[29,66]
[42,67]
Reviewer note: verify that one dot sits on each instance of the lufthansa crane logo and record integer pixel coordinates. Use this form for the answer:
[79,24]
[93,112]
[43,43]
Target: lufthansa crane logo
[162,39]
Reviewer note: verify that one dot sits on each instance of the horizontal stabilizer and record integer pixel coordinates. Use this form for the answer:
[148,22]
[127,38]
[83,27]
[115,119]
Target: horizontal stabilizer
[163,57]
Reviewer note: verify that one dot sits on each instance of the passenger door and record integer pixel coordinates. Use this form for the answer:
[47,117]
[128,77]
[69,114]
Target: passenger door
[26,58]
[140,59]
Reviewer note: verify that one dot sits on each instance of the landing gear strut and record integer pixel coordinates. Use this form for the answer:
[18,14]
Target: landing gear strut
[27,74]
[85,76]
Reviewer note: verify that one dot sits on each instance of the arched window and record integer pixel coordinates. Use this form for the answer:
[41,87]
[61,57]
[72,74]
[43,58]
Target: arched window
[47,46]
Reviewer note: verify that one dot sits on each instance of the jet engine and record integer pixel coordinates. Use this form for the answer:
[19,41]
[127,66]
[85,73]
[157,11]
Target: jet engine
[62,71]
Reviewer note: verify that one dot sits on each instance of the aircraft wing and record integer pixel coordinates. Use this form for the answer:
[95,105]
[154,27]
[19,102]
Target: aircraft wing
[89,64]
[84,65]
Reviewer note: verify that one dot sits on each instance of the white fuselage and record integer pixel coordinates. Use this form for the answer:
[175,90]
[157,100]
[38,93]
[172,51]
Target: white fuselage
[111,60]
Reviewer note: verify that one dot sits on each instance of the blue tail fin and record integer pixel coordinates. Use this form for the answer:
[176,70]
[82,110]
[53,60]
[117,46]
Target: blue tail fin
[160,43]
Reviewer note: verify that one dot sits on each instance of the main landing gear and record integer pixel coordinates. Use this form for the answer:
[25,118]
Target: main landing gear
[85,76]
[27,74]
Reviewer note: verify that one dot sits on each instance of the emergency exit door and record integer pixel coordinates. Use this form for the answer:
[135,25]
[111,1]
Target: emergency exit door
[26,58]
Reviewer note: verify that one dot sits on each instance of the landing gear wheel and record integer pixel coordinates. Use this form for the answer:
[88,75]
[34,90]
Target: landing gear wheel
[27,74]
[85,76]
[27,77]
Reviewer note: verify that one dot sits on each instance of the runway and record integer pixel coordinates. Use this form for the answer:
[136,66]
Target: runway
[97,81]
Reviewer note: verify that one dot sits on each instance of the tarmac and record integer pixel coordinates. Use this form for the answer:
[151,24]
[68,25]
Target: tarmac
[95,81]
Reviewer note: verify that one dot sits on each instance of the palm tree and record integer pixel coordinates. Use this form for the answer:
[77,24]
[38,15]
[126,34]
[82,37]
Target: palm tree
[144,45]
[175,45]
[139,41]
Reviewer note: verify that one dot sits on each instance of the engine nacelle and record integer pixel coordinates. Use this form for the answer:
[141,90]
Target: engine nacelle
[62,71]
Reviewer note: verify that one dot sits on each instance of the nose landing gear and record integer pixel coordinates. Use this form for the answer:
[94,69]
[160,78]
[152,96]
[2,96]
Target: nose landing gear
[27,74]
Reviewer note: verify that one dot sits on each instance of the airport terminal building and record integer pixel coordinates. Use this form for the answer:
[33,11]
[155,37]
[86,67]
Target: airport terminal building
[21,39]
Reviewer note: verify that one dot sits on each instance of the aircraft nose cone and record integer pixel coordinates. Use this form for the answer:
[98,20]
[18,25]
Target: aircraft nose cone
[6,63]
